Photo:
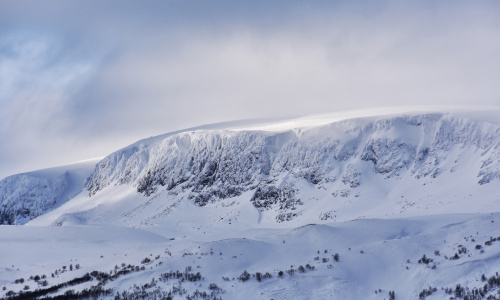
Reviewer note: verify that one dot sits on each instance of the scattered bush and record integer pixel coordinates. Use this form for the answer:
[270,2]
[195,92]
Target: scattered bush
[425,260]
[244,276]
[462,249]
[426,292]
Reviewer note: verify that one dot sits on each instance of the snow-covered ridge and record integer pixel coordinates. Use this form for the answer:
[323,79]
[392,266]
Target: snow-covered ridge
[218,164]
[407,161]
[28,195]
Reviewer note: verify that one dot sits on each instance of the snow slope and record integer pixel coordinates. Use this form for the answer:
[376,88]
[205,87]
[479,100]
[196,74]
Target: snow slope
[375,256]
[26,196]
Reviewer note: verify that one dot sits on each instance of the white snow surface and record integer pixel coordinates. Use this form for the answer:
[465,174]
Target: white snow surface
[381,188]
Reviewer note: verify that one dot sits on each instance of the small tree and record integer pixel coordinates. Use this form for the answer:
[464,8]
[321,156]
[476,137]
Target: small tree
[459,291]
[258,276]
[392,296]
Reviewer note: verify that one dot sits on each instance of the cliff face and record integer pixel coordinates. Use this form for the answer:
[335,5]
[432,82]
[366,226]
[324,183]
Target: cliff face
[26,196]
[220,164]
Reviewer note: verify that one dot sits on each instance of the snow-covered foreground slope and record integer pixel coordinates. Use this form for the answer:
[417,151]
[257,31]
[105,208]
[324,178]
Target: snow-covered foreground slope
[362,259]
[26,196]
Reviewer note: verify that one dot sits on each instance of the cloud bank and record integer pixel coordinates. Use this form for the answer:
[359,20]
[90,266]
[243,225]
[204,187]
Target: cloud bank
[83,78]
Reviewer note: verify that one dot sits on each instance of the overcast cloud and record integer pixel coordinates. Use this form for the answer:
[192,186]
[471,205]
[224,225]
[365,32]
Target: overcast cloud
[80,79]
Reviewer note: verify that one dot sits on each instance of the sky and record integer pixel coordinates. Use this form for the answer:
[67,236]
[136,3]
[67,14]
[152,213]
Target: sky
[82,79]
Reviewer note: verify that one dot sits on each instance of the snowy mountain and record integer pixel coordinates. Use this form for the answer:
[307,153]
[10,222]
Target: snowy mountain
[375,204]
[26,196]
[340,170]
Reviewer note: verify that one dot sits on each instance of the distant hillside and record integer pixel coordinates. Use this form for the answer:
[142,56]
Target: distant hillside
[28,195]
